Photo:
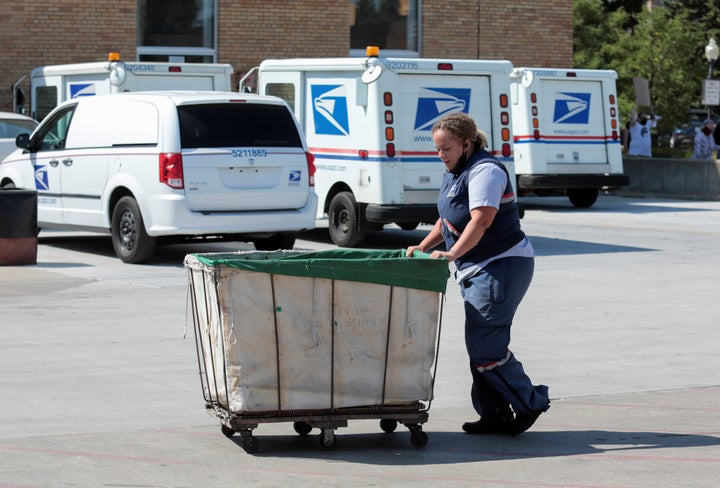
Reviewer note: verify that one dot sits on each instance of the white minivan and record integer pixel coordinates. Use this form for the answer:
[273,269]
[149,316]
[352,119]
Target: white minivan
[151,166]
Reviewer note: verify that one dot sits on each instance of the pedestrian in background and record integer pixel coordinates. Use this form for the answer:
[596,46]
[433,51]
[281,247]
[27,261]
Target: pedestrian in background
[704,142]
[640,125]
[480,226]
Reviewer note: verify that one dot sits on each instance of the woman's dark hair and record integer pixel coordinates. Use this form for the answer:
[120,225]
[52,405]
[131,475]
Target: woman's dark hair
[462,126]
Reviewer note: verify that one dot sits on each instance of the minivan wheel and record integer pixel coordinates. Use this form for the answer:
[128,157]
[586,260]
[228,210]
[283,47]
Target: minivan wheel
[275,242]
[132,244]
[346,225]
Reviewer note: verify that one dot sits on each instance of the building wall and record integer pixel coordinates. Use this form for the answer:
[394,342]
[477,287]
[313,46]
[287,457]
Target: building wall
[38,32]
[251,30]
[528,33]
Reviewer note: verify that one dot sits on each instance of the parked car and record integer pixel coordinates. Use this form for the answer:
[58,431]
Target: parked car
[153,166]
[683,136]
[12,124]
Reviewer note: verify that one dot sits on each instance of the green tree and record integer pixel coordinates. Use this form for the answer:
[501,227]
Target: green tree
[664,45]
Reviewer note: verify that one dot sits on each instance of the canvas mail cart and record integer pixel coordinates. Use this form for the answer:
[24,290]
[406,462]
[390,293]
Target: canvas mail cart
[317,338]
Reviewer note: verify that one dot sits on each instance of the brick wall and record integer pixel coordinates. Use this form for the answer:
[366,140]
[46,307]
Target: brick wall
[528,33]
[252,30]
[38,32]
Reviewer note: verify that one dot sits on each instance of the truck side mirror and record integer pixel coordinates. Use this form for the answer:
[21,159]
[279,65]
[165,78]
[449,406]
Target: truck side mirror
[19,97]
[22,141]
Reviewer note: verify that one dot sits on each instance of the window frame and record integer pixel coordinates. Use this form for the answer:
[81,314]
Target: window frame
[400,53]
[175,52]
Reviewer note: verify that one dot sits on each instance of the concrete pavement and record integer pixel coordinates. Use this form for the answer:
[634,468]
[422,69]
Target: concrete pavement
[100,389]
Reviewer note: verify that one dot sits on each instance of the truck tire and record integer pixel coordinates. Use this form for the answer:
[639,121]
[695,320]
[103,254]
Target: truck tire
[408,225]
[582,197]
[346,225]
[275,242]
[131,242]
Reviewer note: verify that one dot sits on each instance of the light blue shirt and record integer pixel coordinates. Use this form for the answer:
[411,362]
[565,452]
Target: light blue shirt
[486,185]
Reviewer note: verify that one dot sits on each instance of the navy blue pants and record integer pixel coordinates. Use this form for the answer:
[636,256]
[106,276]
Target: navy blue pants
[491,298]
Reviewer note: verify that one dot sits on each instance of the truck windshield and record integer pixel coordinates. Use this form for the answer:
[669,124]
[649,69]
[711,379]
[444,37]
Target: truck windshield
[237,125]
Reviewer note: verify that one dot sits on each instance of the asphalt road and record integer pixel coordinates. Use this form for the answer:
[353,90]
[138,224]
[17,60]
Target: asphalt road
[98,387]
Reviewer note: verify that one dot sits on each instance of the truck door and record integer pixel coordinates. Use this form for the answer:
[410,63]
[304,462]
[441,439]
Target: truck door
[45,96]
[423,100]
[285,85]
[573,122]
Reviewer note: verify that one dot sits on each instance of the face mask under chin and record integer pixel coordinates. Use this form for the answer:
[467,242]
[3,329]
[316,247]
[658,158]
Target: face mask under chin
[457,169]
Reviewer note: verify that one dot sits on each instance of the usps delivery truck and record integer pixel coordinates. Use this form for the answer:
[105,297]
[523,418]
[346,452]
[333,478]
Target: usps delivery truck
[368,123]
[52,85]
[566,133]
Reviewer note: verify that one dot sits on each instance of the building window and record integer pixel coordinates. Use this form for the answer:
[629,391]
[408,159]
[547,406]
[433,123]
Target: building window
[177,30]
[393,25]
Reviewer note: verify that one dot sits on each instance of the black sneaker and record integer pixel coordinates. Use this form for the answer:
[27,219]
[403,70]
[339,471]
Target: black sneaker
[487,425]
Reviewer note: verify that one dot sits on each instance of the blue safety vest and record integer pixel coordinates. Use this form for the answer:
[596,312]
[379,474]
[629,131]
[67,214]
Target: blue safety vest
[454,209]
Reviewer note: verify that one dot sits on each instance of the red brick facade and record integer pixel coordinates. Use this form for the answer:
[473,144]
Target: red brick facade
[38,32]
[525,32]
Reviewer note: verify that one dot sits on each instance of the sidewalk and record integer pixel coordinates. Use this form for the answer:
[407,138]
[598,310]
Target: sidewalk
[656,439]
[98,387]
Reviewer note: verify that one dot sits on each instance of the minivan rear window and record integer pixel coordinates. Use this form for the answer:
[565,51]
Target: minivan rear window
[237,125]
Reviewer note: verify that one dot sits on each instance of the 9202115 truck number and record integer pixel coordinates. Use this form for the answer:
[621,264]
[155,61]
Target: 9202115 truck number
[249,153]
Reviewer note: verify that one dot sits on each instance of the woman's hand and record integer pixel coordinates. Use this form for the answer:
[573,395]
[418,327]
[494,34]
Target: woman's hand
[411,250]
[449,255]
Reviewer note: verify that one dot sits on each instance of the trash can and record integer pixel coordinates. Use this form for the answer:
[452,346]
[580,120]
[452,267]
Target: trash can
[18,226]
[304,336]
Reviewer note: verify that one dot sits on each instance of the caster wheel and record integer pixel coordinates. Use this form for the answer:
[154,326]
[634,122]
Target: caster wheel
[327,439]
[227,431]
[249,443]
[388,425]
[302,428]
[418,438]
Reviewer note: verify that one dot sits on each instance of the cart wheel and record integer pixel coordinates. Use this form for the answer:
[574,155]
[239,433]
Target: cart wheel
[418,438]
[327,438]
[227,431]
[388,425]
[302,428]
[249,443]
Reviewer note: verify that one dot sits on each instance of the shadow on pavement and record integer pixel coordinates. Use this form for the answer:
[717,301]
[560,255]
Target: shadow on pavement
[457,447]
[625,205]
[174,254]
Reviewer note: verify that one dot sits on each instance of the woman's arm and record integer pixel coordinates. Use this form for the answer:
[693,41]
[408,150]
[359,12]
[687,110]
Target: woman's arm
[480,219]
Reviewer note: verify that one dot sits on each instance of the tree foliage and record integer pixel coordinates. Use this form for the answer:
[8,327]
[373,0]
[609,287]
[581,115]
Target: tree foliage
[665,45]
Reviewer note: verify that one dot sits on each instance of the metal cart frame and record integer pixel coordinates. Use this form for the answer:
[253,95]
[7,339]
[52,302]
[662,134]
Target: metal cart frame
[412,414]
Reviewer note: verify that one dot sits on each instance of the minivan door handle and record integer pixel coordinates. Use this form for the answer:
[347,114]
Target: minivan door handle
[68,162]
[54,163]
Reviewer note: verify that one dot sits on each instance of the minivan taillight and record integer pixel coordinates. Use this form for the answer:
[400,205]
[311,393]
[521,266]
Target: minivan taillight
[311,167]
[171,170]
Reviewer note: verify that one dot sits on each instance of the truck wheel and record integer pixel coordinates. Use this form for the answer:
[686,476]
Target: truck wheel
[582,197]
[274,242]
[346,225]
[132,244]
[408,225]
